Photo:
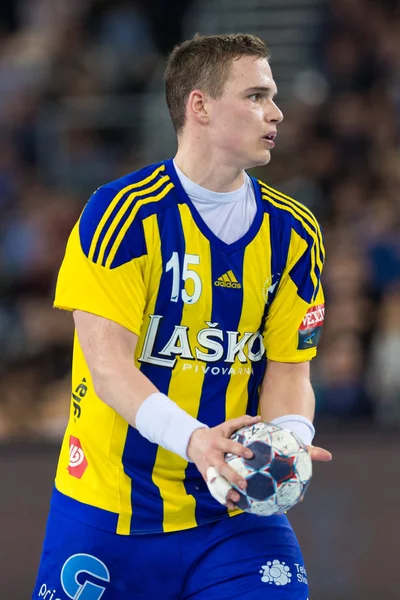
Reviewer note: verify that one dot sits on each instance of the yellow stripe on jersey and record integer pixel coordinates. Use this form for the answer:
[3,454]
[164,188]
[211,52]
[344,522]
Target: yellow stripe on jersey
[315,257]
[121,427]
[121,213]
[254,270]
[303,209]
[257,271]
[151,279]
[186,385]
[114,203]
[97,446]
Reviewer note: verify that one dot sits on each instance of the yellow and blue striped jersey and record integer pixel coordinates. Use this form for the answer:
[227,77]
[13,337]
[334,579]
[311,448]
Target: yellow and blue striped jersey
[208,315]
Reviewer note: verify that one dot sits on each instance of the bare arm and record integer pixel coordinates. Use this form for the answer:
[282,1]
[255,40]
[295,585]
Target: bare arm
[287,390]
[109,351]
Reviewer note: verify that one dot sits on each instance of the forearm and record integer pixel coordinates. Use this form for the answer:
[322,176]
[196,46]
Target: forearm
[286,396]
[287,399]
[160,420]
[122,386]
[109,349]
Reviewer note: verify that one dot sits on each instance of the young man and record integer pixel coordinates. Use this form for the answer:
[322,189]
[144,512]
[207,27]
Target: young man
[184,278]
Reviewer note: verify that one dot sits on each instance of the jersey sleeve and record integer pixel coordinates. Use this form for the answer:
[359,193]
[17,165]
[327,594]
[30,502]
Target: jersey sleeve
[294,321]
[102,270]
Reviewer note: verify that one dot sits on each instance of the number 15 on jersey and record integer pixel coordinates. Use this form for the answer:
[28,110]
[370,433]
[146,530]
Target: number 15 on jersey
[187,274]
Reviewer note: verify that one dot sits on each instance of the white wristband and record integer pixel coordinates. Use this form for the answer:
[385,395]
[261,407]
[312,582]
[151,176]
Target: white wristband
[298,425]
[162,421]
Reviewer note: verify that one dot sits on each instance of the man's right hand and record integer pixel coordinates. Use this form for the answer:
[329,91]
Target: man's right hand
[207,448]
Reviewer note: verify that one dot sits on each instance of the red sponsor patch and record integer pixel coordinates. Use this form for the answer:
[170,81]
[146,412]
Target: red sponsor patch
[314,317]
[77,459]
[311,327]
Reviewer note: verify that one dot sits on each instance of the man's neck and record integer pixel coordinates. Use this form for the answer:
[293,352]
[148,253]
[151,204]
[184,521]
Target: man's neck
[206,170]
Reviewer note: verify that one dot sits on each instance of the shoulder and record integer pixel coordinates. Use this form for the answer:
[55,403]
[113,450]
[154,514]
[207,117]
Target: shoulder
[147,177]
[289,211]
[145,183]
[112,218]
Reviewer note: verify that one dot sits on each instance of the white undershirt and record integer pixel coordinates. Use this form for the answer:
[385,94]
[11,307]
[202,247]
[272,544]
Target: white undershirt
[229,215]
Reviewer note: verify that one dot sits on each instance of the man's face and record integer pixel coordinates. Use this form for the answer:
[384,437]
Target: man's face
[246,115]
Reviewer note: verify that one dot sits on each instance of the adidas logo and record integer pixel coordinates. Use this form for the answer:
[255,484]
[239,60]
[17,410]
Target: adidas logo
[228,280]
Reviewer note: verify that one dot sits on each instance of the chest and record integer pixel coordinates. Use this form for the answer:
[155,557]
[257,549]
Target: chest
[194,278]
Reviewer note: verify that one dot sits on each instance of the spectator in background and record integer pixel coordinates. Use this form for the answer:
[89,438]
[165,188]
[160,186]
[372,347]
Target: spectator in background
[384,373]
[339,385]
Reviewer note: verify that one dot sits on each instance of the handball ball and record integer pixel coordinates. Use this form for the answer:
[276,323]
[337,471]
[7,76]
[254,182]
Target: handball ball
[278,473]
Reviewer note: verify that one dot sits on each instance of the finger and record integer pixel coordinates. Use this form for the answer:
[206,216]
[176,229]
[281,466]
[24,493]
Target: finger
[230,447]
[231,476]
[217,485]
[233,496]
[233,425]
[319,454]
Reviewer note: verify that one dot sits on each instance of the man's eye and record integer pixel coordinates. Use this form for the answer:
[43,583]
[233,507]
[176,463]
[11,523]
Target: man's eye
[255,96]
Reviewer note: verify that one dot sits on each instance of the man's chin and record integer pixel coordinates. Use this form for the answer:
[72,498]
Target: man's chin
[261,160]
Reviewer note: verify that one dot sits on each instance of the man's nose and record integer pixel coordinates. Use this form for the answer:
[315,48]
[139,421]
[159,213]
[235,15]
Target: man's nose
[276,114]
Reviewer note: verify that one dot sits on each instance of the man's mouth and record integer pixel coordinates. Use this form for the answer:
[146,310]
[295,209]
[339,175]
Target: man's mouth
[269,139]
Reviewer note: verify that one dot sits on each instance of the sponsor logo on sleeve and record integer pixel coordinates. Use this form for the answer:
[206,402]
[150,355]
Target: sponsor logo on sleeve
[311,327]
[77,460]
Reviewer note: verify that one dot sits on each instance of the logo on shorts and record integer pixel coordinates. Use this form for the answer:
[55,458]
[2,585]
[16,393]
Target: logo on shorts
[275,572]
[79,565]
[77,460]
[301,574]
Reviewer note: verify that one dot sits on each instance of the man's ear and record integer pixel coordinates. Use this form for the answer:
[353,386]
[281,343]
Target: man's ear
[197,108]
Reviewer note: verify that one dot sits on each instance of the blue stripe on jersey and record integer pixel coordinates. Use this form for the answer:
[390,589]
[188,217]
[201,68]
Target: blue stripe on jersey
[313,243]
[172,240]
[279,242]
[302,278]
[280,232]
[226,311]
[300,274]
[132,246]
[253,385]
[145,496]
[302,214]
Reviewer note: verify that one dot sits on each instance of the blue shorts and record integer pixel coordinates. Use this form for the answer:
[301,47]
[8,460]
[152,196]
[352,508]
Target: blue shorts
[242,557]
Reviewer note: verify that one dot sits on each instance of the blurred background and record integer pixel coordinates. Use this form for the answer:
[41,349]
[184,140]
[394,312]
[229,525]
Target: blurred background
[81,103]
